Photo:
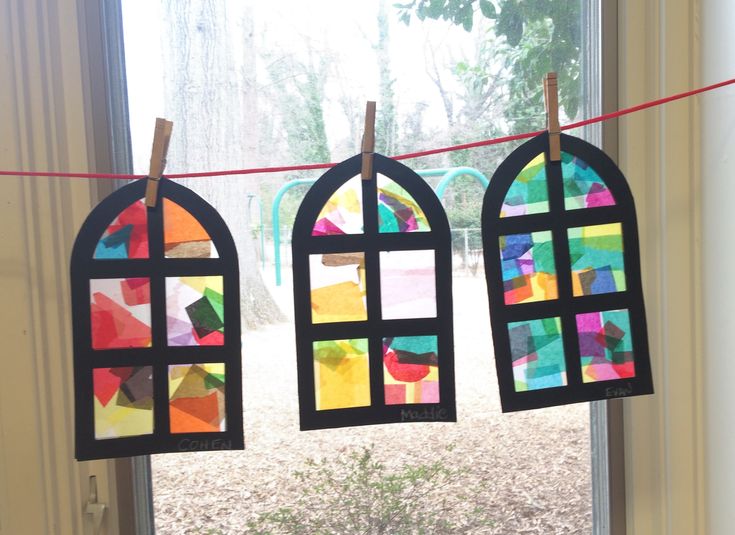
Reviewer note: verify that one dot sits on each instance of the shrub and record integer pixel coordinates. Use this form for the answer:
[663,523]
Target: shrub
[358,494]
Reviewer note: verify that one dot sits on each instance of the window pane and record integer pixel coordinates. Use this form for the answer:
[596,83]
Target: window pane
[195,311]
[410,370]
[528,267]
[338,287]
[197,398]
[538,355]
[605,345]
[255,84]
[397,210]
[121,312]
[183,235]
[597,259]
[341,374]
[126,236]
[343,212]
[401,299]
[529,193]
[583,187]
[123,402]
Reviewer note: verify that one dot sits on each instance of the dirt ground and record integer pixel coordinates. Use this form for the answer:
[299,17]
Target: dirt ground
[529,470]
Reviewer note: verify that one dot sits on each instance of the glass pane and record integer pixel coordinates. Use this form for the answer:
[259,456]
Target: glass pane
[528,267]
[597,259]
[120,312]
[195,311]
[183,235]
[410,370]
[337,287]
[342,214]
[298,97]
[403,300]
[605,345]
[397,210]
[196,394]
[538,354]
[529,193]
[123,402]
[126,236]
[341,374]
[583,187]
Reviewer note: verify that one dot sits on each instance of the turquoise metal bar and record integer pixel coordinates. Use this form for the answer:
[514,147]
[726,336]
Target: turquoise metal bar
[453,173]
[276,219]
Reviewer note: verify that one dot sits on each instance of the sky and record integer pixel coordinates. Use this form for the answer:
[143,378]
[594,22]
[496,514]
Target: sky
[346,27]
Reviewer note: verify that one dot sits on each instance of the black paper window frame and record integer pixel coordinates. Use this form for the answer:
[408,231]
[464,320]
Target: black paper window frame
[372,242]
[566,306]
[84,268]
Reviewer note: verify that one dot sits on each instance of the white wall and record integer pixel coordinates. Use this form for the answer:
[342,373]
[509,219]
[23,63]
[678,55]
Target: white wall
[718,246]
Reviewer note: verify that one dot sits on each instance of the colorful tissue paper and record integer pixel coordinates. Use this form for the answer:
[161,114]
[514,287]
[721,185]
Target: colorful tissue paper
[397,209]
[605,345]
[411,370]
[195,311]
[123,402]
[183,235]
[127,235]
[341,374]
[120,312]
[197,397]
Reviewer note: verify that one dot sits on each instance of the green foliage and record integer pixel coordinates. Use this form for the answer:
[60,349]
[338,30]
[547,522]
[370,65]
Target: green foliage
[542,36]
[483,81]
[360,494]
[456,11]
[463,200]
[298,89]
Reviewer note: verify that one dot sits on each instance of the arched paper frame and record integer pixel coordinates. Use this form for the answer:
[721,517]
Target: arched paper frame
[134,374]
[570,332]
[367,337]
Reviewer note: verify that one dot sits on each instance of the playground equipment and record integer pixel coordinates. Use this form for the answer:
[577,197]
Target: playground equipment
[448,175]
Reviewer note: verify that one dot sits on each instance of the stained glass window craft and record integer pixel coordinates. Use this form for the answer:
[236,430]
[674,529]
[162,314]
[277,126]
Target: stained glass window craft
[372,299]
[563,275]
[157,327]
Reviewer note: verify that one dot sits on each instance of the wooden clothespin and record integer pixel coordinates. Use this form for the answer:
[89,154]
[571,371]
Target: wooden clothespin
[551,100]
[161,137]
[368,141]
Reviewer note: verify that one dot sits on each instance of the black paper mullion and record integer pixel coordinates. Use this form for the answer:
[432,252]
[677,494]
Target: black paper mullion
[372,287]
[562,262]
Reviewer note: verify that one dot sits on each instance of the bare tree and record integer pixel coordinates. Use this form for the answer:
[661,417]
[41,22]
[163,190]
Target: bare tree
[211,97]
[386,127]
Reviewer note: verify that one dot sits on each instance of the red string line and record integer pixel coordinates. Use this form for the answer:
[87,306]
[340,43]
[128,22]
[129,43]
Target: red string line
[307,167]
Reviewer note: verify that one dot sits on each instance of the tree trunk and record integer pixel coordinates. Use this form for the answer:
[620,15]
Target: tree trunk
[210,95]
